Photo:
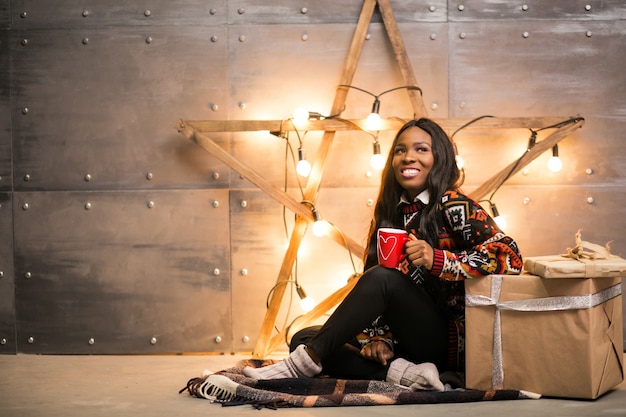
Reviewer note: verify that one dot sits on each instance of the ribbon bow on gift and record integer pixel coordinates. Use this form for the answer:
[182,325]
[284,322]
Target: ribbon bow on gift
[594,251]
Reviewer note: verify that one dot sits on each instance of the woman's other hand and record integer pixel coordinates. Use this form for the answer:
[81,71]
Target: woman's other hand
[419,252]
[378,351]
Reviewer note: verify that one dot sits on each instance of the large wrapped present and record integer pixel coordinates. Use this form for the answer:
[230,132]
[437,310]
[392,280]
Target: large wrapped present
[585,260]
[554,337]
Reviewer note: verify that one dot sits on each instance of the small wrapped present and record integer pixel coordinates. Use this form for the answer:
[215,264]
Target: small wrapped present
[585,260]
[554,337]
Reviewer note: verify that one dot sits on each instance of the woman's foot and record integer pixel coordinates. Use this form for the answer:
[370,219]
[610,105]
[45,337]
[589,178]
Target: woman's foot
[297,365]
[422,376]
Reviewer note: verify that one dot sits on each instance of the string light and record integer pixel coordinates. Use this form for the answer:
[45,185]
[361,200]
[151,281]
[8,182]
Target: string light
[497,217]
[377,161]
[554,163]
[303,167]
[306,303]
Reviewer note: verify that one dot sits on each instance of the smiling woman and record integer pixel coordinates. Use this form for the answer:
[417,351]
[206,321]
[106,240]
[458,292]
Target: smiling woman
[404,324]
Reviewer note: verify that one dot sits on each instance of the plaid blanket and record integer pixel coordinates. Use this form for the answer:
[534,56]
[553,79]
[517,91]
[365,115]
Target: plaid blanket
[230,387]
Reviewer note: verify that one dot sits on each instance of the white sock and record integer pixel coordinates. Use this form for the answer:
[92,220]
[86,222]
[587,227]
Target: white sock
[423,376]
[297,365]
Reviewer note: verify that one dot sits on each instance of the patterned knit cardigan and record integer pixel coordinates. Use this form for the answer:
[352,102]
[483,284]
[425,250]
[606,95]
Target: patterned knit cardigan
[470,246]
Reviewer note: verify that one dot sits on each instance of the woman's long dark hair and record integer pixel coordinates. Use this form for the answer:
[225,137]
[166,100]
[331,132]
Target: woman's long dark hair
[444,176]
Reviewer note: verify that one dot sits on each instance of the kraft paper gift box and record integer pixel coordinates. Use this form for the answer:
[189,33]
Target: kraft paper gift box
[554,337]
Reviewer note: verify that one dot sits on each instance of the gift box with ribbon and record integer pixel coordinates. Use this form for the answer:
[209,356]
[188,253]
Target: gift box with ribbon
[554,337]
[584,260]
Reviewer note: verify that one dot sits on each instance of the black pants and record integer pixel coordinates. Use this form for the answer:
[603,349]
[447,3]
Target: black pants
[417,323]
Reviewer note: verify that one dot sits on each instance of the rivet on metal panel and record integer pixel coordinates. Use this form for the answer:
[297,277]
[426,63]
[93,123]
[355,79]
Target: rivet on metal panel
[149,39]
[150,204]
[216,204]
[25,110]
[23,15]
[588,7]
[147,13]
[212,11]
[525,34]
[370,202]
[241,10]
[245,339]
[434,105]
[214,38]
[85,13]
[588,34]
[28,275]
[87,177]
[461,7]
[149,176]
[431,8]
[525,171]
[526,201]
[244,203]
[525,7]
[91,341]
[590,200]
[242,38]
[24,42]
[87,205]
[462,35]
[216,175]
[3,341]
[25,206]
[242,105]
[218,339]
[153,341]
[1,274]
[368,174]
[31,340]
[304,37]
[368,36]
[215,107]
[433,36]
[462,105]
[243,272]
[27,177]
[589,171]
[85,41]
[304,10]
[216,271]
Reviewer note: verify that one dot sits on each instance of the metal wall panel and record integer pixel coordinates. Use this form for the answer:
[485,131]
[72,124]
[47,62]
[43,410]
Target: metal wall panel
[537,10]
[95,109]
[100,13]
[328,11]
[106,272]
[5,115]
[5,13]
[7,289]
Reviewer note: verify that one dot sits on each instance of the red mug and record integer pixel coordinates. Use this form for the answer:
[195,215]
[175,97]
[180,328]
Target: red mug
[391,246]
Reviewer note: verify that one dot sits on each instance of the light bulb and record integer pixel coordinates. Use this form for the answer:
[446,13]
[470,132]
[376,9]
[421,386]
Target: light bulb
[300,115]
[554,163]
[319,228]
[500,220]
[303,167]
[307,304]
[377,161]
[372,122]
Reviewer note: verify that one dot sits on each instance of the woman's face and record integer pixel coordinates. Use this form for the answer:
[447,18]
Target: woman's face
[412,160]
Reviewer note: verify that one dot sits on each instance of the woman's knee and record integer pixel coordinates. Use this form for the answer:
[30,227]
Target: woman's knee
[303,336]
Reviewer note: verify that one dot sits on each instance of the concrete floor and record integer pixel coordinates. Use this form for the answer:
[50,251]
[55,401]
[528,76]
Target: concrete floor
[138,386]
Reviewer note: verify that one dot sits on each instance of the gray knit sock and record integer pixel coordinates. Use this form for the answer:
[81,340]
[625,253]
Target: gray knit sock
[297,365]
[423,376]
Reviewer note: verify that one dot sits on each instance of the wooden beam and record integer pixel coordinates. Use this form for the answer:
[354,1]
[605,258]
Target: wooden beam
[392,123]
[531,154]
